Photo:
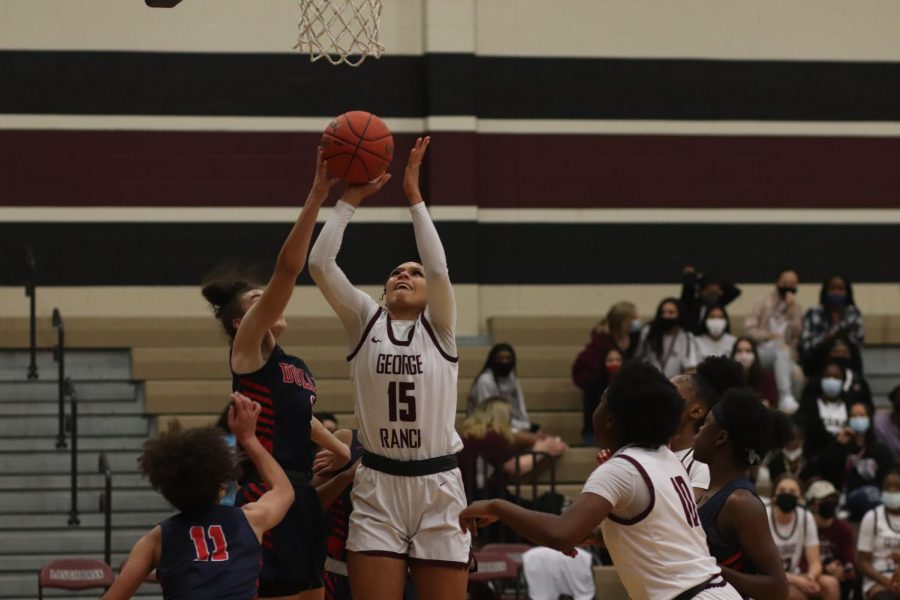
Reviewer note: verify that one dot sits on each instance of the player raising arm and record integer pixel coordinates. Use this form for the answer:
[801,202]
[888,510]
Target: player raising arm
[207,551]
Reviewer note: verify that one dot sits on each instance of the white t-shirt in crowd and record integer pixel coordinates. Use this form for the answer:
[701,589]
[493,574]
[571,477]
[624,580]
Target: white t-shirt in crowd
[551,574]
[833,415]
[707,346]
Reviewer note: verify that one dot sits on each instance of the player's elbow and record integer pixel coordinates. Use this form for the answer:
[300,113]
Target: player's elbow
[317,262]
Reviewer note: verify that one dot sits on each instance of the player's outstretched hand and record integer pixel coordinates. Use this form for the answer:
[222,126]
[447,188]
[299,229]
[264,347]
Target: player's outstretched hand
[242,415]
[355,194]
[478,514]
[411,175]
[322,183]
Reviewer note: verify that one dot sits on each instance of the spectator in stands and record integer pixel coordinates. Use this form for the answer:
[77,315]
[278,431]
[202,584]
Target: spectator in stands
[758,379]
[328,420]
[856,463]
[715,337]
[856,388]
[836,536]
[497,379]
[877,557]
[796,536]
[699,293]
[790,461]
[591,372]
[488,443]
[836,316]
[823,411]
[774,323]
[887,425]
[665,343]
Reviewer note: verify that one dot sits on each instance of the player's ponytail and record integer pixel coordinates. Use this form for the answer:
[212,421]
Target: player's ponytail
[224,296]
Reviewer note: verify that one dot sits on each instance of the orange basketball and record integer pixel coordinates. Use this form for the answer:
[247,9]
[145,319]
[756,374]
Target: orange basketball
[358,147]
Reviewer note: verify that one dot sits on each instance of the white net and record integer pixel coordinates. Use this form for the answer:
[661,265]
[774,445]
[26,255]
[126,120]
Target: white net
[341,31]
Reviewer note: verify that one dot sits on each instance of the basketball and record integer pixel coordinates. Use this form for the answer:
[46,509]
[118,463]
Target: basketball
[358,147]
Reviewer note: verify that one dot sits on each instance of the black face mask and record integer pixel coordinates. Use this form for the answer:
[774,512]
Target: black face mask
[502,369]
[786,502]
[783,290]
[827,509]
[667,324]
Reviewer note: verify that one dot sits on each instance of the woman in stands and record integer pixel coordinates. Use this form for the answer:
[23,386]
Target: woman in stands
[739,431]
[666,343]
[408,491]
[797,539]
[253,317]
[639,497]
[879,540]
[207,551]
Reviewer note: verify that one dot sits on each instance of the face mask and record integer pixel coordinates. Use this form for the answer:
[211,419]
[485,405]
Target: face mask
[891,500]
[613,368]
[784,290]
[792,455]
[859,424]
[827,509]
[786,502]
[635,326]
[835,300]
[716,327]
[746,359]
[502,369]
[831,386]
[667,324]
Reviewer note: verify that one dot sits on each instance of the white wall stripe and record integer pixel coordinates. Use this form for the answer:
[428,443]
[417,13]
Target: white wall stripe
[456,123]
[163,214]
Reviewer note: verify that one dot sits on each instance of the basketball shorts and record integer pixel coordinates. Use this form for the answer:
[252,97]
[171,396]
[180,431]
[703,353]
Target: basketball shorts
[415,517]
[294,551]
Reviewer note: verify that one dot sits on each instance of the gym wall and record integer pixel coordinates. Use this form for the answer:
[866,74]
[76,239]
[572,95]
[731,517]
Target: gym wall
[582,150]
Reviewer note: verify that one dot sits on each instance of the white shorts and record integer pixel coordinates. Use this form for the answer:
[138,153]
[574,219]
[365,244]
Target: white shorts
[417,517]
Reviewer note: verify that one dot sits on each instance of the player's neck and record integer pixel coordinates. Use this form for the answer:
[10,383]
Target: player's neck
[404,313]
[720,474]
[684,437]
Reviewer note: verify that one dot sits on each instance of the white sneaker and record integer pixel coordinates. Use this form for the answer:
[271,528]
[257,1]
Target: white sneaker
[788,405]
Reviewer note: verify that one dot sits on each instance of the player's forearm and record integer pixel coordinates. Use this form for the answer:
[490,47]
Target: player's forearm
[543,529]
[441,300]
[271,472]
[292,256]
[325,439]
[757,586]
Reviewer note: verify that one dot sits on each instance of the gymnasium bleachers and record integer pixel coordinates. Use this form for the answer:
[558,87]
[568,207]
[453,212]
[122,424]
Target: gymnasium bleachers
[182,366]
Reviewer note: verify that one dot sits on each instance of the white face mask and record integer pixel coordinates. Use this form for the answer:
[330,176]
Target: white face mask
[792,455]
[745,359]
[716,327]
[891,500]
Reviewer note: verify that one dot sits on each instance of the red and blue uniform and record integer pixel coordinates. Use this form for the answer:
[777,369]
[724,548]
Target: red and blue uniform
[294,551]
[209,555]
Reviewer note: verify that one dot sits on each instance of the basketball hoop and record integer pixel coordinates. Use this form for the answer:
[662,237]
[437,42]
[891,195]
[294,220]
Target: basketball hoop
[341,31]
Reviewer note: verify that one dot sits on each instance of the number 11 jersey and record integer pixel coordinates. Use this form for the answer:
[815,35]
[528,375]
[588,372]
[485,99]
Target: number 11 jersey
[405,386]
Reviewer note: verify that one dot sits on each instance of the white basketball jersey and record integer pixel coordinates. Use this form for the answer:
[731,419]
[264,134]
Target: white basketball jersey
[879,534]
[405,390]
[661,552]
[793,538]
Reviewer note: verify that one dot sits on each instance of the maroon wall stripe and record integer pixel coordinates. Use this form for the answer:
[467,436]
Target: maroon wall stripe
[165,168]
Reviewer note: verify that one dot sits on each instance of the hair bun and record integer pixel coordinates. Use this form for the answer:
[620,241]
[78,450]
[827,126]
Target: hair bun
[221,293]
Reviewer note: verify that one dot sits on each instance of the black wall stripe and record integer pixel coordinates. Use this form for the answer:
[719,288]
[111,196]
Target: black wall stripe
[141,83]
[182,253]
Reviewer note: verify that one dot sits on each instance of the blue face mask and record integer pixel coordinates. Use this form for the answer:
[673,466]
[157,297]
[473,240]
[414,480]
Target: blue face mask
[635,326]
[891,500]
[831,386]
[859,424]
[835,300]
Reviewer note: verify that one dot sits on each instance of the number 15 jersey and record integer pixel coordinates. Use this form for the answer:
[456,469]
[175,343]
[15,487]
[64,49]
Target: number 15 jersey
[405,386]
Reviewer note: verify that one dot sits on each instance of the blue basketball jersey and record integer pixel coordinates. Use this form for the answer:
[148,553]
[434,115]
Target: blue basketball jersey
[286,391]
[209,555]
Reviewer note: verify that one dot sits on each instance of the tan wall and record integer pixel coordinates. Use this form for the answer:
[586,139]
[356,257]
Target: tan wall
[800,29]
[476,303]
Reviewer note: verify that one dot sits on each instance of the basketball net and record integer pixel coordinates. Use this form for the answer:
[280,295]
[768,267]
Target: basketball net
[341,31]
